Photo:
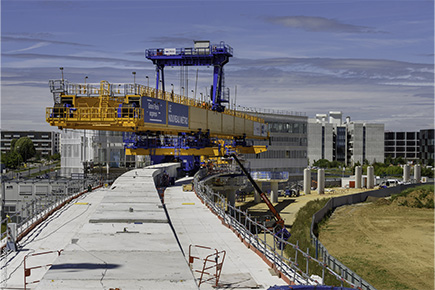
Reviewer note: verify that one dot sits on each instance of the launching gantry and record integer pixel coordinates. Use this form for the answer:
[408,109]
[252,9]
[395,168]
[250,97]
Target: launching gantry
[157,122]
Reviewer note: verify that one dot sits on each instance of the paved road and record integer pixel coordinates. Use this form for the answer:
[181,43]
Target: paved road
[29,172]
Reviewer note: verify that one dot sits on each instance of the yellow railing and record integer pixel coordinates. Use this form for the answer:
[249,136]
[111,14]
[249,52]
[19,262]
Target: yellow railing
[118,91]
[115,115]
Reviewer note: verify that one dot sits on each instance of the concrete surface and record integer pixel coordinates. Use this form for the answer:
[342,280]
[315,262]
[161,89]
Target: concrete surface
[119,237]
[195,224]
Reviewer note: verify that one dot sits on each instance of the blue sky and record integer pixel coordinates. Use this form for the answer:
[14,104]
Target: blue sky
[372,60]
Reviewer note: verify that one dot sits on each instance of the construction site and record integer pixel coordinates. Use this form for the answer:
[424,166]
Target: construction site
[199,217]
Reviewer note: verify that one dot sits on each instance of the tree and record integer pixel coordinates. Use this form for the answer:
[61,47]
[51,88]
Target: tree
[13,141]
[12,159]
[55,156]
[24,146]
[321,163]
[427,171]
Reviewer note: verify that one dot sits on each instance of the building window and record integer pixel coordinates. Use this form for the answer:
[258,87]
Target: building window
[400,135]
[10,208]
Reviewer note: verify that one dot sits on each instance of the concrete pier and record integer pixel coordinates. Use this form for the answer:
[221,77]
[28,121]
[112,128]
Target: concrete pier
[406,173]
[274,191]
[370,177]
[321,181]
[358,177]
[417,173]
[307,181]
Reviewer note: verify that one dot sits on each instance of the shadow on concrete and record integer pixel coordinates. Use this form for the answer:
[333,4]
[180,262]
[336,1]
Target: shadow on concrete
[283,204]
[279,207]
[83,266]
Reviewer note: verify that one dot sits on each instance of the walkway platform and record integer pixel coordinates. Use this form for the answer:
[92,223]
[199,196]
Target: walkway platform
[195,224]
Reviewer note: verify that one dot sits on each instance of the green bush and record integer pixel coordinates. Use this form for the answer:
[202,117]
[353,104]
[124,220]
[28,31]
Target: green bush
[300,234]
[421,197]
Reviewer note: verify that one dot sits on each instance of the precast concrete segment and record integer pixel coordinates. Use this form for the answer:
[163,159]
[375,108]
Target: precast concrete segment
[127,243]
[51,235]
[195,224]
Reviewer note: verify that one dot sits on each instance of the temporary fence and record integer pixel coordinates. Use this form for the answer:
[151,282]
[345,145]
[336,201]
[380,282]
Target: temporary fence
[254,235]
[333,203]
[28,270]
[211,265]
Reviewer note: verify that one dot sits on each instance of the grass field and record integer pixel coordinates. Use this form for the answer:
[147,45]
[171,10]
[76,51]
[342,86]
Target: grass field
[390,246]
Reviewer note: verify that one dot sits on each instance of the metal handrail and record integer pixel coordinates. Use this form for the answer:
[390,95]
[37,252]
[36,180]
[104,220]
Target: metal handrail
[288,266]
[212,48]
[95,114]
[36,209]
[122,90]
[27,271]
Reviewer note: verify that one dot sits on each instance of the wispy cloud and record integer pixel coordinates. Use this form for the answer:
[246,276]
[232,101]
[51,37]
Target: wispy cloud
[90,59]
[319,24]
[10,38]
[341,71]
[39,44]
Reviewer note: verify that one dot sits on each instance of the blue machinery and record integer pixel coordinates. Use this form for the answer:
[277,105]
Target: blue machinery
[202,54]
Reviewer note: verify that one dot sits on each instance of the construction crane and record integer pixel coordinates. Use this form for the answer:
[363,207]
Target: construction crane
[280,231]
[161,124]
[202,54]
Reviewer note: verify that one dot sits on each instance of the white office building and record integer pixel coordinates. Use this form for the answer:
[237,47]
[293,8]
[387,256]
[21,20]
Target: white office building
[80,147]
[346,142]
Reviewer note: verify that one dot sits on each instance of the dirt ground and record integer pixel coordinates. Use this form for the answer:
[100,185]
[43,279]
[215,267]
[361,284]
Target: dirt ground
[391,246]
[289,206]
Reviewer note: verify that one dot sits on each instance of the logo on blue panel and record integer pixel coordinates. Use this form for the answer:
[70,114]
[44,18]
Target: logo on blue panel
[154,110]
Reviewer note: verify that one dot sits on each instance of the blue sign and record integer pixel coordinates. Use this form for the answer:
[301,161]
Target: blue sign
[178,115]
[154,110]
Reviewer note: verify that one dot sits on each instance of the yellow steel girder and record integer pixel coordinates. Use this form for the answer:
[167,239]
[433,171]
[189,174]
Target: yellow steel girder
[208,151]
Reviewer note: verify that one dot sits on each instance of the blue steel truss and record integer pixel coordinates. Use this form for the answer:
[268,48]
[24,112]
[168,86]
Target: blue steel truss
[216,55]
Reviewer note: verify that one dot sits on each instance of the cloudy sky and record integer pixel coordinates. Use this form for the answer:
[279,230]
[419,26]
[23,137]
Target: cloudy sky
[372,60]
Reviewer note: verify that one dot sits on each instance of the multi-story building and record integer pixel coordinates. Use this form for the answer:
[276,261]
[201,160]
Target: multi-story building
[83,147]
[46,142]
[348,142]
[412,146]
[427,142]
[402,144]
[287,146]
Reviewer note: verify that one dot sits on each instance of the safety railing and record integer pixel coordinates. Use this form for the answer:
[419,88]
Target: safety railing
[333,203]
[119,91]
[211,265]
[28,270]
[115,115]
[40,208]
[213,48]
[264,241]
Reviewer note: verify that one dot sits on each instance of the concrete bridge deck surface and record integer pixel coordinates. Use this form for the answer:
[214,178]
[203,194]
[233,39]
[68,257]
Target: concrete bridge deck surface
[119,237]
[195,224]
